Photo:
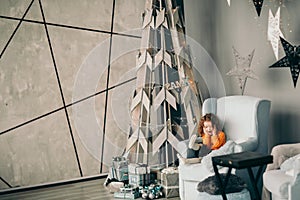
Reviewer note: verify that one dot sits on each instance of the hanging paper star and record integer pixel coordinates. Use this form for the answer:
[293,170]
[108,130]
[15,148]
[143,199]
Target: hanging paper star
[291,60]
[273,31]
[228,1]
[242,69]
[258,5]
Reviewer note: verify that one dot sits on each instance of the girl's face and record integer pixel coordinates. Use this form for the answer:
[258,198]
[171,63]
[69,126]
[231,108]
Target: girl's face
[208,128]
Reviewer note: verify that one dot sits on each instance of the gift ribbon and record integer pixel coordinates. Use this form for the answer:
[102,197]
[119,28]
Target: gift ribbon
[140,165]
[170,170]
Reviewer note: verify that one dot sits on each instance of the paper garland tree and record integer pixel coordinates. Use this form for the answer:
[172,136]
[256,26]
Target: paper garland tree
[258,5]
[274,31]
[291,60]
[242,70]
[165,107]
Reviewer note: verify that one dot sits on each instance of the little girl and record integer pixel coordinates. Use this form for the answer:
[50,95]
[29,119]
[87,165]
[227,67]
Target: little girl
[212,138]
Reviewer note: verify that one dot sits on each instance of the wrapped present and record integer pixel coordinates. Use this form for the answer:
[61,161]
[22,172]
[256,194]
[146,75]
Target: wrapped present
[139,179]
[128,188]
[171,191]
[119,162]
[155,172]
[169,177]
[119,168]
[138,168]
[127,193]
[157,168]
[123,195]
[120,174]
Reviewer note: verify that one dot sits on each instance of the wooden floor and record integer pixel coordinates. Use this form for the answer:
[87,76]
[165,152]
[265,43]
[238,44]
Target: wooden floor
[90,190]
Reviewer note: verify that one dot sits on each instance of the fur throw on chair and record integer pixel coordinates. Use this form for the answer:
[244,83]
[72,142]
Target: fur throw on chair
[211,186]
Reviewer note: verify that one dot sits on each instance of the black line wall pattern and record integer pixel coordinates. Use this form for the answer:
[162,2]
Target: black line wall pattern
[43,45]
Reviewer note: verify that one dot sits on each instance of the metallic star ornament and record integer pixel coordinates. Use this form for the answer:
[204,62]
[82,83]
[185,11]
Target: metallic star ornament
[242,69]
[291,60]
[258,5]
[274,31]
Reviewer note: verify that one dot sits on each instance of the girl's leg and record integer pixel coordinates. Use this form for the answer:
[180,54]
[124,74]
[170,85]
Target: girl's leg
[192,157]
[191,153]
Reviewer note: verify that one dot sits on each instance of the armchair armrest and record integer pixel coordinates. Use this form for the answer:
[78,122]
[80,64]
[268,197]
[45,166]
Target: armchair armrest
[281,153]
[182,147]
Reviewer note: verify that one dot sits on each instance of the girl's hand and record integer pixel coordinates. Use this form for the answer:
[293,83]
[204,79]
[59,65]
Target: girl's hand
[214,132]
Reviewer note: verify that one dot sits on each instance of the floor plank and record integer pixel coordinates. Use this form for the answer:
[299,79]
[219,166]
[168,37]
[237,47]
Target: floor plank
[87,190]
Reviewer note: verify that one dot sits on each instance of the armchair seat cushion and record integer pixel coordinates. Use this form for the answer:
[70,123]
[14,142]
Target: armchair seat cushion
[277,181]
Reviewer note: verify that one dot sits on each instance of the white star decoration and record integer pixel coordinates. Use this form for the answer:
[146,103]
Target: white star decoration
[273,31]
[242,69]
[228,1]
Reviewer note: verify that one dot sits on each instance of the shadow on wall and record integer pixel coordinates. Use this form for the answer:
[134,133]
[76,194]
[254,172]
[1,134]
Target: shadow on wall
[284,128]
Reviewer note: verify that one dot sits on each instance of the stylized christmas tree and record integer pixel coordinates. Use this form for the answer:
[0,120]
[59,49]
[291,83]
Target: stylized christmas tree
[166,104]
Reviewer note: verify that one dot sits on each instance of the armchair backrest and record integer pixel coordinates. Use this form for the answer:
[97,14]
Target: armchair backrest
[244,119]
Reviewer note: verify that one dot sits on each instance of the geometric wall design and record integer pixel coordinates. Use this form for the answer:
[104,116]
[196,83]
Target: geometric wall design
[43,46]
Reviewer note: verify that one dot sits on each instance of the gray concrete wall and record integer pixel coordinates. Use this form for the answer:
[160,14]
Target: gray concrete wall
[39,133]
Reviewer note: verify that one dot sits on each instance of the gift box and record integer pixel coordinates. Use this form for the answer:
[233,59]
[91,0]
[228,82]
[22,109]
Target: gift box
[155,172]
[119,162]
[119,168]
[127,193]
[120,174]
[137,180]
[169,177]
[171,191]
[138,168]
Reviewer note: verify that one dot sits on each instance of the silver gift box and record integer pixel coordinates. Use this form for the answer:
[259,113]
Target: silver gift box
[137,180]
[171,191]
[169,179]
[120,174]
[127,195]
[119,162]
[137,168]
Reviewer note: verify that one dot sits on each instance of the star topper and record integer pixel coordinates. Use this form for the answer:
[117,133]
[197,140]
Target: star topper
[242,69]
[291,60]
[258,5]
[273,31]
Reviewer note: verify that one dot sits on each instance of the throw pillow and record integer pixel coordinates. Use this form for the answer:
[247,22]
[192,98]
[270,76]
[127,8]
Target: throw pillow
[211,185]
[289,163]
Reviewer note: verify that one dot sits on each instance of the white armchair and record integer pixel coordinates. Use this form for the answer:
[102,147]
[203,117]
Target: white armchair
[282,178]
[245,121]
